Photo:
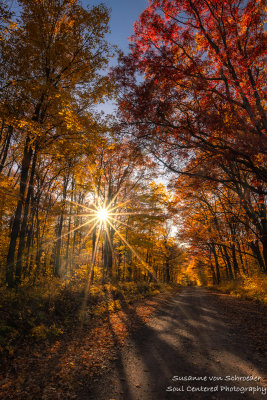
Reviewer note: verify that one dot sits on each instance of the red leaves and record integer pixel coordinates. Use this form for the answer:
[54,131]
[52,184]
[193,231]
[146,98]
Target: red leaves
[203,77]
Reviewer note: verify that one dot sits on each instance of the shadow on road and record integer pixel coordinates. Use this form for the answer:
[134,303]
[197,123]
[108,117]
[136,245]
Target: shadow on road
[187,337]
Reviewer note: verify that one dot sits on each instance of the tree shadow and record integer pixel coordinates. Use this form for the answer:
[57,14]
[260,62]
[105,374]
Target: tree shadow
[197,343]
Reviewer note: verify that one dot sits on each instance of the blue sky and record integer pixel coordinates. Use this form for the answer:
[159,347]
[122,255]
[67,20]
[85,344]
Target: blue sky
[123,14]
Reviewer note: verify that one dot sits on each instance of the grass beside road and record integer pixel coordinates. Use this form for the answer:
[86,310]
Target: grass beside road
[247,288]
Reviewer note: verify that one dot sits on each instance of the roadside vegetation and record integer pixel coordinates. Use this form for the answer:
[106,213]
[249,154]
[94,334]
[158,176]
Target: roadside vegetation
[254,288]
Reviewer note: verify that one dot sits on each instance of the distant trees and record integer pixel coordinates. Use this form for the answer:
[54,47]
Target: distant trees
[133,243]
[199,109]
[216,225]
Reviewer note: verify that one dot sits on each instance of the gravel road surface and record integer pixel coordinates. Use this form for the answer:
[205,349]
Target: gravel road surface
[188,350]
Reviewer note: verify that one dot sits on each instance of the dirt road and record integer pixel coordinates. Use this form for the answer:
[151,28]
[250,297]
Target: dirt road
[190,338]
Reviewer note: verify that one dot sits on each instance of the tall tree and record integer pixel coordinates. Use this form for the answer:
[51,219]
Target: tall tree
[57,53]
[203,65]
[199,107]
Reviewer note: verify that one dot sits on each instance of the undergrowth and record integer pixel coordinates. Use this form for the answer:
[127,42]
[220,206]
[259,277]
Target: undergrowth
[253,288]
[45,312]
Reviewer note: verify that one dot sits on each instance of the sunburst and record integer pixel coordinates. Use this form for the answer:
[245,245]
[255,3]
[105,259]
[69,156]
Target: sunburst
[109,215]
[103,214]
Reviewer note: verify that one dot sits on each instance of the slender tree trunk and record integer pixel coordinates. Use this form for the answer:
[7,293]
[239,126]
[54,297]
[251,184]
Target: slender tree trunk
[235,264]
[214,281]
[241,257]
[93,241]
[29,242]
[225,263]
[25,168]
[26,162]
[167,269]
[4,151]
[69,226]
[23,229]
[218,274]
[257,253]
[108,245]
[230,271]
[264,244]
[108,256]
[59,230]
[39,268]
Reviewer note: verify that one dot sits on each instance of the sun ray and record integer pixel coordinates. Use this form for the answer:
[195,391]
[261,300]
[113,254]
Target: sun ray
[117,206]
[71,231]
[45,244]
[114,198]
[80,205]
[129,213]
[88,233]
[81,215]
[120,222]
[96,244]
[90,277]
[108,235]
[146,266]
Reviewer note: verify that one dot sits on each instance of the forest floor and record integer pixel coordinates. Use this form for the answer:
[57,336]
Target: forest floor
[48,354]
[133,353]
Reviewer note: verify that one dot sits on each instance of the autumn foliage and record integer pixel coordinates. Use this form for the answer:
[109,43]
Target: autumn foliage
[179,174]
[192,91]
[59,156]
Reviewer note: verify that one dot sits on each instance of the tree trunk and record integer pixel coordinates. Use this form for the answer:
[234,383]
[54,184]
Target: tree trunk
[26,162]
[230,271]
[4,151]
[235,264]
[68,237]
[23,228]
[264,243]
[257,253]
[108,256]
[218,274]
[59,230]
